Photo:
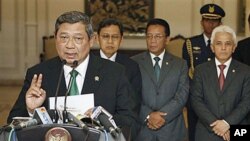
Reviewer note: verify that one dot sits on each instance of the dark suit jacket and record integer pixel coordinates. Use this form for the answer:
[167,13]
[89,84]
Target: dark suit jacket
[111,91]
[242,51]
[211,104]
[201,52]
[168,95]
[134,76]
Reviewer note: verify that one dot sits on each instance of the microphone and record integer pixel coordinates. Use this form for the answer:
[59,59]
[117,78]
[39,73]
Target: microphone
[65,115]
[40,116]
[55,115]
[25,124]
[105,119]
[78,122]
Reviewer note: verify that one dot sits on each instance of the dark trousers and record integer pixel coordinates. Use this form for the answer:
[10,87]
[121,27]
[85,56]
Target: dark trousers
[192,121]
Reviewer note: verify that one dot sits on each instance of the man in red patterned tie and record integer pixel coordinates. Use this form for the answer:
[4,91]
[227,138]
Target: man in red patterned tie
[220,104]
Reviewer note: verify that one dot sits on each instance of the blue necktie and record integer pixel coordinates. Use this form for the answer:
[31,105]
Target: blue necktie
[73,90]
[157,68]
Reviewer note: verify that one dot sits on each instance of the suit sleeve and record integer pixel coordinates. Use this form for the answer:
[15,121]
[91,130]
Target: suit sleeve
[124,116]
[136,83]
[197,100]
[175,106]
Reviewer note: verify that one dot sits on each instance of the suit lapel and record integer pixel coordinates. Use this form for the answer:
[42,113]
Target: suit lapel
[230,75]
[92,77]
[118,58]
[166,66]
[213,76]
[147,64]
[53,74]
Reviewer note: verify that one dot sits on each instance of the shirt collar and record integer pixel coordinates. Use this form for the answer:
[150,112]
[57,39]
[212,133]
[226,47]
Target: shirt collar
[81,68]
[160,56]
[206,38]
[112,58]
[227,63]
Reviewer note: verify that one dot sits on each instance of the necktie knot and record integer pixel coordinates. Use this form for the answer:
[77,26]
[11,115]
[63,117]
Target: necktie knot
[74,73]
[222,67]
[157,59]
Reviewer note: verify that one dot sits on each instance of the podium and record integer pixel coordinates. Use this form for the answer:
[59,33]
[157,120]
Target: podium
[41,132]
[38,133]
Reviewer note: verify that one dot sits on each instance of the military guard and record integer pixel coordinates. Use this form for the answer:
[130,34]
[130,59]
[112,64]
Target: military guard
[196,50]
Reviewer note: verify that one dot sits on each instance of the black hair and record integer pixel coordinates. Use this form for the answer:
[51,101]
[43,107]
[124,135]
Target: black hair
[75,17]
[158,21]
[108,22]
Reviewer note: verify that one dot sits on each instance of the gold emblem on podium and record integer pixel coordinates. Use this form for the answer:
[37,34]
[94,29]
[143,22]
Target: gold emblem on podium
[57,134]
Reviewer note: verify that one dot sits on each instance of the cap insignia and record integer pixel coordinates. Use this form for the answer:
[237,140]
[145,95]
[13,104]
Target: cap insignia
[211,9]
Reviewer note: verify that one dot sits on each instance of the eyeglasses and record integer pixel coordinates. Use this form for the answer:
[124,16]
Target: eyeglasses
[156,37]
[106,37]
[67,38]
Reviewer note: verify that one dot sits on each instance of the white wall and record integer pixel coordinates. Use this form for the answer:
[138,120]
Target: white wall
[25,22]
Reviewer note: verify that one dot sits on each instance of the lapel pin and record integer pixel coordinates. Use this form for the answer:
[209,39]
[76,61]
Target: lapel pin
[97,78]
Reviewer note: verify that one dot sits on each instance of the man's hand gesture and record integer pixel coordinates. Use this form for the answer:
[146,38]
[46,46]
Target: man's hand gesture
[35,95]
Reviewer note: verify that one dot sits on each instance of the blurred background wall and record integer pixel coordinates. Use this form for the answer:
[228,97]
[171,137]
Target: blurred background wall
[25,22]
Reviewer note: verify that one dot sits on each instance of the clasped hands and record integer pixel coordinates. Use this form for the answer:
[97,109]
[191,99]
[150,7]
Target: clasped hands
[221,128]
[156,120]
[35,96]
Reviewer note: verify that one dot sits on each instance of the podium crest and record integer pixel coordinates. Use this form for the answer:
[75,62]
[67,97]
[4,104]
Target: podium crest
[57,134]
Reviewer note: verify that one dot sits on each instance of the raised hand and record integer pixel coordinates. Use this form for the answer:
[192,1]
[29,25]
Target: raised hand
[35,95]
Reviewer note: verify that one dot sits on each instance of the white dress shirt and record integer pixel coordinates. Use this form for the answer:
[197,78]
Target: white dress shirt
[160,56]
[227,63]
[112,58]
[81,69]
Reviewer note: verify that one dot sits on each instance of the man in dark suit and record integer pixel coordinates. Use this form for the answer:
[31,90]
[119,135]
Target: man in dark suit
[106,80]
[109,39]
[243,49]
[165,87]
[196,50]
[220,89]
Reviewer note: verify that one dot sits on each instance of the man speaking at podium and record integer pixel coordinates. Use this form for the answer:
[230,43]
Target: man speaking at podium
[74,37]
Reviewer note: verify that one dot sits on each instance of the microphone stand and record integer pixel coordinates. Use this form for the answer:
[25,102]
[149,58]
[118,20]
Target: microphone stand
[65,114]
[55,116]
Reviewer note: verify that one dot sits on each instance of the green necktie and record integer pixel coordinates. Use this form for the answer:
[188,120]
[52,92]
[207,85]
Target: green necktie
[157,68]
[73,90]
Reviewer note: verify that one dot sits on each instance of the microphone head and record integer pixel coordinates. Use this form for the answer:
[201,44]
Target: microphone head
[42,116]
[75,63]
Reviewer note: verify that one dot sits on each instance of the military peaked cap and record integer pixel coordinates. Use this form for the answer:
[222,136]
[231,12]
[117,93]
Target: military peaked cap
[212,11]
